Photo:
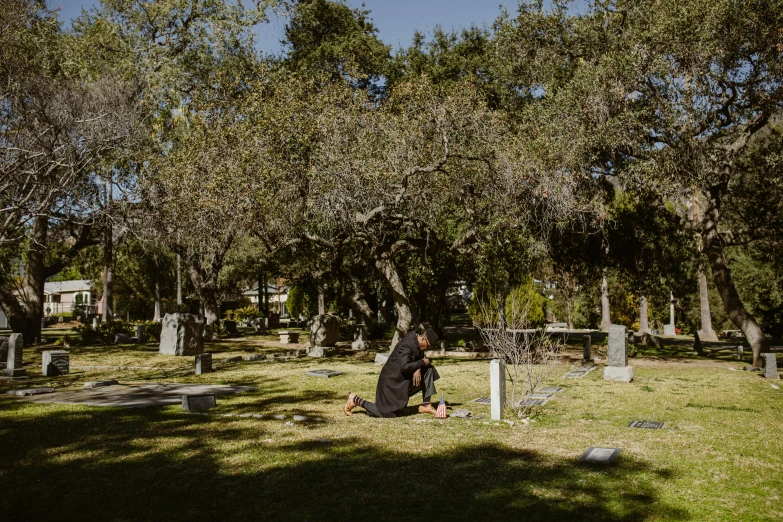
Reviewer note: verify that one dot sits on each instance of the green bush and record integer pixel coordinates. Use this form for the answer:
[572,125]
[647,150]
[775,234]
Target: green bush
[86,335]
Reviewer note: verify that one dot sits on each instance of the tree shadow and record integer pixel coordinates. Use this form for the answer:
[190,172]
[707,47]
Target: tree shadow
[139,465]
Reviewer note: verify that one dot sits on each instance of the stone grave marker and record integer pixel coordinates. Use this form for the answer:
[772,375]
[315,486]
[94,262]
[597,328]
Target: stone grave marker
[95,323]
[550,390]
[231,327]
[13,367]
[381,358]
[141,333]
[587,357]
[288,337]
[618,369]
[531,402]
[55,362]
[497,388]
[256,357]
[198,402]
[738,356]
[203,363]
[27,392]
[650,425]
[122,338]
[323,373]
[236,358]
[600,455]
[100,384]
[770,366]
[482,400]
[260,325]
[361,339]
[181,334]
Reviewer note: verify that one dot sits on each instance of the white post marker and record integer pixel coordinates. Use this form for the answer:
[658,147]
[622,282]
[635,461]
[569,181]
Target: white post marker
[497,388]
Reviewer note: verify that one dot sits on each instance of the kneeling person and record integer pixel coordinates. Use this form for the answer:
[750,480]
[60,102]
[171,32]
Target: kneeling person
[405,373]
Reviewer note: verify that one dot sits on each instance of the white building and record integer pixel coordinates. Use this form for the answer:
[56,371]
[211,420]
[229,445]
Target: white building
[69,296]
[278,295]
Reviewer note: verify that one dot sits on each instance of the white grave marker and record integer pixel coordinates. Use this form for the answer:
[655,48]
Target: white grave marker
[497,388]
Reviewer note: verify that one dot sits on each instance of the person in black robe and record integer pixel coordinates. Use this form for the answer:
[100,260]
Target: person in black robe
[405,373]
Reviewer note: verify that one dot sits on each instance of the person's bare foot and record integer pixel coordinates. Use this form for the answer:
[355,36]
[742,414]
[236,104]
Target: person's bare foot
[349,404]
[427,409]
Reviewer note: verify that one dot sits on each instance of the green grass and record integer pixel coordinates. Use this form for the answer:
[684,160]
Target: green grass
[718,456]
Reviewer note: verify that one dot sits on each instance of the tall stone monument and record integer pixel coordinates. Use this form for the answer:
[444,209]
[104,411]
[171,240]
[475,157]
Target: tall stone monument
[668,329]
[497,388]
[181,334]
[361,338]
[13,367]
[618,369]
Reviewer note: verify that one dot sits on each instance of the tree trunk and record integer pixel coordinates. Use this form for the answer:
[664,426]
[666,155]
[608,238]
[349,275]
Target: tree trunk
[205,286]
[606,319]
[404,317]
[706,333]
[732,302]
[108,291]
[156,313]
[644,324]
[321,302]
[260,298]
[179,283]
[360,304]
[34,281]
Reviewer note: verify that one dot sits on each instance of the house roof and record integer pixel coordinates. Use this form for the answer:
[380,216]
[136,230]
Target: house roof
[62,287]
[271,289]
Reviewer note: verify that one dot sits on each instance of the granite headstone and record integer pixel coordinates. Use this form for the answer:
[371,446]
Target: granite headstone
[181,334]
[55,362]
[13,366]
[203,363]
[770,366]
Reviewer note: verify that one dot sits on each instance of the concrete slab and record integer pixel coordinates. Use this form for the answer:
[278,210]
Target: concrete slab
[133,395]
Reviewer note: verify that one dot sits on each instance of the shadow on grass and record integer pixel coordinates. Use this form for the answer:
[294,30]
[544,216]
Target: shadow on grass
[140,465]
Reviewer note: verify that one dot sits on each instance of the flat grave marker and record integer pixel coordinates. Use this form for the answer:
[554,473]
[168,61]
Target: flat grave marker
[600,455]
[482,400]
[531,402]
[551,390]
[651,425]
[99,384]
[323,373]
[27,392]
[198,402]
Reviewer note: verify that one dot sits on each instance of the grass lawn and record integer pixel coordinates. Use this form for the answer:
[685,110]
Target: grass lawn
[718,457]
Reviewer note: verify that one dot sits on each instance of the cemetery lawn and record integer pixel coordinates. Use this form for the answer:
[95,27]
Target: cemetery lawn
[719,455]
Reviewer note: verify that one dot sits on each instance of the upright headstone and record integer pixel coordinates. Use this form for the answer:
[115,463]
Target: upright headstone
[13,367]
[260,324]
[141,334]
[324,334]
[497,388]
[55,362]
[94,323]
[122,338]
[231,327]
[739,353]
[618,369]
[770,366]
[181,334]
[3,351]
[203,363]
[587,356]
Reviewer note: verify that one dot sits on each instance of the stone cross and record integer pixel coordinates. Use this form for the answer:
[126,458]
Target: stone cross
[618,369]
[497,388]
[14,366]
[587,357]
[770,366]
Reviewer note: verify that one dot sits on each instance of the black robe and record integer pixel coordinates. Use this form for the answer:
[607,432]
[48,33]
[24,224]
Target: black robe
[394,383]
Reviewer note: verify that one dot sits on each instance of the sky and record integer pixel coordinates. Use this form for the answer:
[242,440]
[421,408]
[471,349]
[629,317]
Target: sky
[396,20]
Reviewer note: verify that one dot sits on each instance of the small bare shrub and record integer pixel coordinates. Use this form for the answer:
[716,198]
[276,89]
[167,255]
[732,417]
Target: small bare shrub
[530,354]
